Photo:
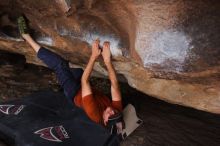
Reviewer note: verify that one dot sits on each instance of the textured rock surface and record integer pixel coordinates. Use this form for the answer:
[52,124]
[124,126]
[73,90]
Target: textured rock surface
[167,49]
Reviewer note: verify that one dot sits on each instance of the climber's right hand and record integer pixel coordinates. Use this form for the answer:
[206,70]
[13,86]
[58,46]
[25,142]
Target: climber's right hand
[95,49]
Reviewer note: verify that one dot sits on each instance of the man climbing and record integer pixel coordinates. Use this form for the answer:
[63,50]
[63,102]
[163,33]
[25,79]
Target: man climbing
[76,85]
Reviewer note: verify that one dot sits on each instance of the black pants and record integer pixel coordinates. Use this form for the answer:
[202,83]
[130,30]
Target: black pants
[69,79]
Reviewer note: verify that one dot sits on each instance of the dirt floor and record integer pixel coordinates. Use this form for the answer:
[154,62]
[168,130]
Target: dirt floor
[164,124]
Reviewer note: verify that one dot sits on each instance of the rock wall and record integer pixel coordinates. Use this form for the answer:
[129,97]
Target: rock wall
[167,49]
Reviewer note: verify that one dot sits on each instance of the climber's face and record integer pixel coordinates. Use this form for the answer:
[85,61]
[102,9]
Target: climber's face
[108,112]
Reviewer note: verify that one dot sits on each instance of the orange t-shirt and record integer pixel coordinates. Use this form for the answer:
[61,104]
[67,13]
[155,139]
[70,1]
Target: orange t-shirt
[95,104]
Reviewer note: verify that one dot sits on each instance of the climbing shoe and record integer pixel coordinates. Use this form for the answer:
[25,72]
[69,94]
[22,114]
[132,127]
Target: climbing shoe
[22,26]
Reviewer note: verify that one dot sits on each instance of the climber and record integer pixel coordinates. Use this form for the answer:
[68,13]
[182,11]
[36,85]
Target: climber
[76,85]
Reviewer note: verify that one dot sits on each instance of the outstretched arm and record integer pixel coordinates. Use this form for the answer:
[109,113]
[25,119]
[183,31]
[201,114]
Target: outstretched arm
[86,88]
[115,89]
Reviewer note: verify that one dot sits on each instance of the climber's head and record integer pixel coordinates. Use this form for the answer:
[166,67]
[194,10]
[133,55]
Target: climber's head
[113,120]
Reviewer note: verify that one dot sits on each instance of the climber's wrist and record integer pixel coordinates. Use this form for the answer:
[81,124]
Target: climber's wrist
[93,58]
[107,63]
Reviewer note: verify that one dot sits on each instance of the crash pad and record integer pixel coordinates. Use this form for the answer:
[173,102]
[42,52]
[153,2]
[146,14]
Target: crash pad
[131,120]
[47,119]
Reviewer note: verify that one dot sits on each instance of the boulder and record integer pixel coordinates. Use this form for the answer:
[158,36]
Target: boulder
[167,49]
